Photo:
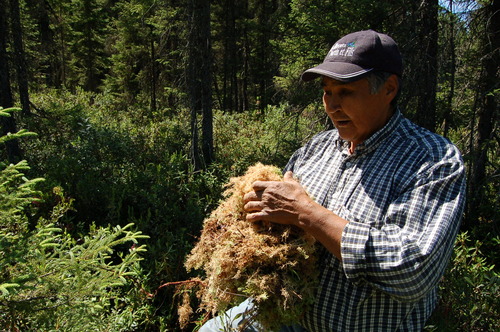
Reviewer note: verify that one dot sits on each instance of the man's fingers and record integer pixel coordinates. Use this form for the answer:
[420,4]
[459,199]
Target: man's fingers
[261,185]
[256,216]
[252,196]
[289,177]
[253,206]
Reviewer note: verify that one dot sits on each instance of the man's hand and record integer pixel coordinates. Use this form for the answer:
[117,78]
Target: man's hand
[287,202]
[283,202]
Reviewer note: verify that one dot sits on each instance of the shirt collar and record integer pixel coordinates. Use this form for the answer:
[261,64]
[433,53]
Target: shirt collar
[373,141]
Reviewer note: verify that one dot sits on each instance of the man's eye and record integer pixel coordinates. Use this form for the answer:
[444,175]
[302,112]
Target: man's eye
[344,92]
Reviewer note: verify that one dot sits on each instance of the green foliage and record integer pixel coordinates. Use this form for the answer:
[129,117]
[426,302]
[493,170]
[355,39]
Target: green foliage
[16,192]
[470,290]
[123,167]
[310,29]
[10,136]
[243,139]
[49,279]
[87,30]
[145,51]
[120,160]
[129,51]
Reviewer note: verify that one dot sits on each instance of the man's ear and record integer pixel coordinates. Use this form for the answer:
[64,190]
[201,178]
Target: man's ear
[391,86]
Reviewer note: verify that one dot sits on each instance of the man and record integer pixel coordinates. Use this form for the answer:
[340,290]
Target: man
[383,196]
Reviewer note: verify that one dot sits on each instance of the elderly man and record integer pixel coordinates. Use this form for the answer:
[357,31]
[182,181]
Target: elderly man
[383,196]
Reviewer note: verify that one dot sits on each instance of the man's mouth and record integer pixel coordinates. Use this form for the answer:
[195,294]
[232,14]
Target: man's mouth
[342,122]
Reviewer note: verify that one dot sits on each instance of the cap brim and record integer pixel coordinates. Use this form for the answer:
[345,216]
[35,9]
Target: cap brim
[340,71]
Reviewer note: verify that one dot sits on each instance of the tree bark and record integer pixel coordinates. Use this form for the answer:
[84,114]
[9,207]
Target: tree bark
[452,69]
[200,82]
[264,50]
[153,71]
[8,123]
[89,44]
[427,78]
[51,64]
[19,56]
[488,109]
[230,58]
[206,71]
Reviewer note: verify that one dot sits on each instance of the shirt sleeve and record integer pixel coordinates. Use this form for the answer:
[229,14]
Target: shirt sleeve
[407,256]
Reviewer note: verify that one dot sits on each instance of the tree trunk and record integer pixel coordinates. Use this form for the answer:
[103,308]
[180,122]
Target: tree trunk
[153,71]
[452,70]
[8,123]
[48,46]
[19,56]
[264,70]
[488,107]
[230,58]
[200,81]
[427,78]
[206,82]
[89,44]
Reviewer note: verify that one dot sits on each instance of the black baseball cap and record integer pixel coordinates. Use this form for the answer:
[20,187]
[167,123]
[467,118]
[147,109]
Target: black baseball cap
[357,54]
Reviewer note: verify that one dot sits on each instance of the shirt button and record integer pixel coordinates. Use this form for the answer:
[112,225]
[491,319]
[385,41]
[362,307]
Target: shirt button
[348,164]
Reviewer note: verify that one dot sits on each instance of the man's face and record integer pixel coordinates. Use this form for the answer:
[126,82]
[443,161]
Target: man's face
[354,111]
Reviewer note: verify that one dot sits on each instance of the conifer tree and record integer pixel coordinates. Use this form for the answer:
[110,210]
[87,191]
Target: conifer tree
[50,280]
[88,21]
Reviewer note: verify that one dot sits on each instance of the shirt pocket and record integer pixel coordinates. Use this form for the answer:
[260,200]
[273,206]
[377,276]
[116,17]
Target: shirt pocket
[346,214]
[363,212]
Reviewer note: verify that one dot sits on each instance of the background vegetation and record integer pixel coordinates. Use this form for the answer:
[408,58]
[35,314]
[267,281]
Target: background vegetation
[143,109]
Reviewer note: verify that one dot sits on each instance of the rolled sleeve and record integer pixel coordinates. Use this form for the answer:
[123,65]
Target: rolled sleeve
[355,237]
[408,254]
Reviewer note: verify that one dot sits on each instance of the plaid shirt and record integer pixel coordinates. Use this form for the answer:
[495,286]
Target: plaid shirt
[402,192]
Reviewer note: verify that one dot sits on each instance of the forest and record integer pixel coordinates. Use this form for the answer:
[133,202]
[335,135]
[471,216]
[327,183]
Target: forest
[122,120]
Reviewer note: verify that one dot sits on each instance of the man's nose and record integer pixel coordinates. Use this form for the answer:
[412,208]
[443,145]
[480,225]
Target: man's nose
[331,103]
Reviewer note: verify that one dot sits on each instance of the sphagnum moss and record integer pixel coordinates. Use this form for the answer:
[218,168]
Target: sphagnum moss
[273,264]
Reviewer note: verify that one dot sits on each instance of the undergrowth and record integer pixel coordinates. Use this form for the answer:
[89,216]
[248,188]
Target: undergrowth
[121,166]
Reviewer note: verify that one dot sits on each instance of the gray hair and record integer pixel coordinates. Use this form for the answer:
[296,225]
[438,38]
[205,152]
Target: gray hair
[376,79]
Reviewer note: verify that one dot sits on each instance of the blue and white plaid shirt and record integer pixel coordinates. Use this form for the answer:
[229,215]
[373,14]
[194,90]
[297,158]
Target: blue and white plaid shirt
[402,192]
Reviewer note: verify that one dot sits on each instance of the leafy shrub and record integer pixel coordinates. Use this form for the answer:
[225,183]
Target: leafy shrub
[470,291]
[114,162]
[121,166]
[243,139]
[50,280]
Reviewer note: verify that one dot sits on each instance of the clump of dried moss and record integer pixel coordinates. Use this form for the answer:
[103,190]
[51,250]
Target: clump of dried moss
[273,264]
